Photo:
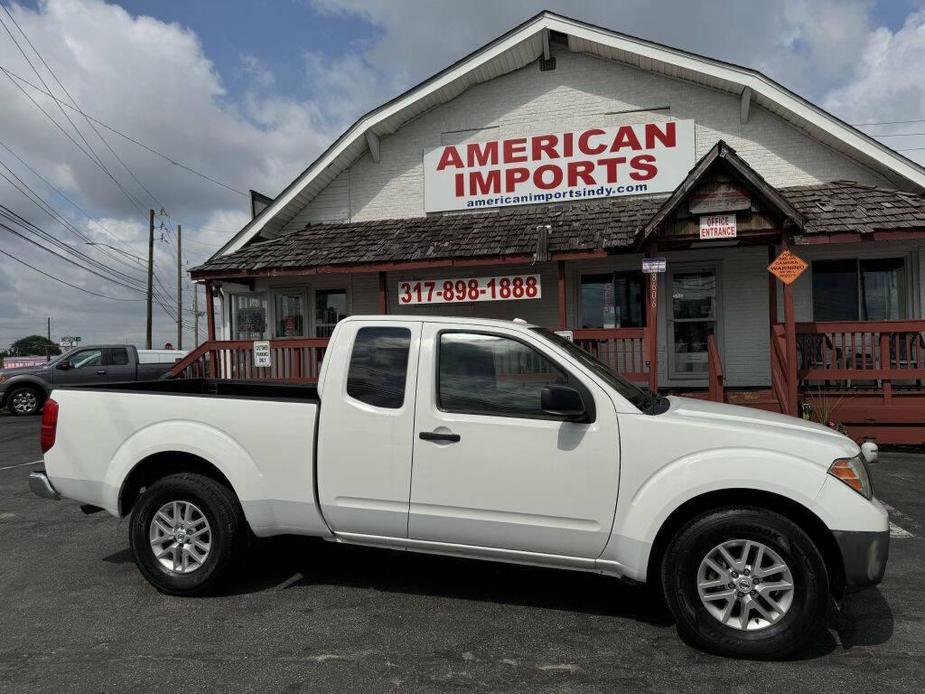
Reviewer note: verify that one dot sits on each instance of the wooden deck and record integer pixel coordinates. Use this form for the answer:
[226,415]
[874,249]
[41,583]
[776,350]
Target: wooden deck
[868,376]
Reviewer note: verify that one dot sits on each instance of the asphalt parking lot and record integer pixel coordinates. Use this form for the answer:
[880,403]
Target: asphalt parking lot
[309,616]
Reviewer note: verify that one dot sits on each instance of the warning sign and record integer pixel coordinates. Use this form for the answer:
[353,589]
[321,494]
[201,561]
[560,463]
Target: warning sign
[787,267]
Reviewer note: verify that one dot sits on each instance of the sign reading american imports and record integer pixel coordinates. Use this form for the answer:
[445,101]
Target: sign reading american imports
[559,167]
[787,267]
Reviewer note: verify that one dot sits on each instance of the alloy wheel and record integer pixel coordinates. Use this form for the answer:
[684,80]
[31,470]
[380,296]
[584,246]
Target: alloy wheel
[180,537]
[745,585]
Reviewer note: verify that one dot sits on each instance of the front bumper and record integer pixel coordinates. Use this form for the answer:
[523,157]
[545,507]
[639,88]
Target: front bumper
[864,555]
[41,485]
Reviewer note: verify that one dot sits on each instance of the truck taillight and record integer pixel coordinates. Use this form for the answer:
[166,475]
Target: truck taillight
[49,424]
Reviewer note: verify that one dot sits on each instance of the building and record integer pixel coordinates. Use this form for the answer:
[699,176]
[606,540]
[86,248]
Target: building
[537,176]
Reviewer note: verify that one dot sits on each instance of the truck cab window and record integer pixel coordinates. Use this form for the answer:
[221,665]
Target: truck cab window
[86,358]
[118,356]
[494,375]
[379,366]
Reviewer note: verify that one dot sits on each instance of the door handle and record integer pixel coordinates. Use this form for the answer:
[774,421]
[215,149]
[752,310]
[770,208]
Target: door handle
[437,436]
[101,372]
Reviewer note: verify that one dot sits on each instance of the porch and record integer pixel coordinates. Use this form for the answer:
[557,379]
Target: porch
[867,376]
[843,342]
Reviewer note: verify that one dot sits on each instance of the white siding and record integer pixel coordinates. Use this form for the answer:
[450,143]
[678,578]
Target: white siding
[583,91]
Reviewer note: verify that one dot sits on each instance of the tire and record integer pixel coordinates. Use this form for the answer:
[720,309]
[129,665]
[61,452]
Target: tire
[784,624]
[24,401]
[207,514]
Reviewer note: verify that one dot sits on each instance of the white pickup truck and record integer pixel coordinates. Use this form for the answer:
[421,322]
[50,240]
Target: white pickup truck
[492,440]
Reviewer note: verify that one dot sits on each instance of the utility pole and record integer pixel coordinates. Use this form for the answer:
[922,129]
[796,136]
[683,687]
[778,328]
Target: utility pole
[195,315]
[179,288]
[49,328]
[150,276]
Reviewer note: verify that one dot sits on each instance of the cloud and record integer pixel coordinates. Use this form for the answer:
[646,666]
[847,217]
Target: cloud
[153,80]
[807,44]
[888,85]
[150,79]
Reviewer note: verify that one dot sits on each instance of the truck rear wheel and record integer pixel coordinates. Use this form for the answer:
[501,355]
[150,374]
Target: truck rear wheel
[745,582]
[186,533]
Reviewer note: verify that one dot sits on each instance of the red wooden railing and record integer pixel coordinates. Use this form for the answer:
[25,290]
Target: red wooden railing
[717,378]
[297,360]
[861,350]
[623,349]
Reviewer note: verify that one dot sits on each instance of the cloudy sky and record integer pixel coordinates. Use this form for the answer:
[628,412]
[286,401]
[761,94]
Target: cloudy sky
[247,92]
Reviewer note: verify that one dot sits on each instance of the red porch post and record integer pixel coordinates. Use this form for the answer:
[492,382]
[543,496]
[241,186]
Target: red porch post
[563,309]
[210,310]
[652,324]
[790,334]
[383,295]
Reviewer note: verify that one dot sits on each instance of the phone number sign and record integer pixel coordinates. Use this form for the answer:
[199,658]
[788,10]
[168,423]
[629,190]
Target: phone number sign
[469,289]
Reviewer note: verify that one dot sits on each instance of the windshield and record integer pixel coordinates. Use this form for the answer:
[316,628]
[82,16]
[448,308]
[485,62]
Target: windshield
[636,395]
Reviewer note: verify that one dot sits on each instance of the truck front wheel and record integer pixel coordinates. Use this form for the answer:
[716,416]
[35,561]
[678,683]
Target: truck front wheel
[745,582]
[186,534]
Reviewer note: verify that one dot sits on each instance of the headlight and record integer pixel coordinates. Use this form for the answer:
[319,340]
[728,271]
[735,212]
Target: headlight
[853,472]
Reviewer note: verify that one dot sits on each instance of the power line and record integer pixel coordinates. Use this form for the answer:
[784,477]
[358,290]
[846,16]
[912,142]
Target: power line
[46,207]
[29,226]
[15,78]
[76,106]
[883,122]
[58,279]
[19,219]
[895,134]
[66,259]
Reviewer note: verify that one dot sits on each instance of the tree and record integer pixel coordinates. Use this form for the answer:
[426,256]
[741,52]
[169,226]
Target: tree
[34,345]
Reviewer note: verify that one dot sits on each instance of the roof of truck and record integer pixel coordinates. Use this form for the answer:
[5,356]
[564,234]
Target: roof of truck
[456,320]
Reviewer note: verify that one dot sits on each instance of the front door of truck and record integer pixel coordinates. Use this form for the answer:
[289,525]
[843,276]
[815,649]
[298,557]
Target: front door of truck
[491,469]
[80,366]
[366,427]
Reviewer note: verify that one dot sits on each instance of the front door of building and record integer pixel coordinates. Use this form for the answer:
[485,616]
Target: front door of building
[693,314]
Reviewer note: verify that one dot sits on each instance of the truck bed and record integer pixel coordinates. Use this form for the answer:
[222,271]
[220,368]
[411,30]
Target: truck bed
[259,436]
[208,387]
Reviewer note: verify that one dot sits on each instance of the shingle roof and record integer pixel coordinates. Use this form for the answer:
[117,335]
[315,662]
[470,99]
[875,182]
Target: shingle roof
[604,225]
[844,206]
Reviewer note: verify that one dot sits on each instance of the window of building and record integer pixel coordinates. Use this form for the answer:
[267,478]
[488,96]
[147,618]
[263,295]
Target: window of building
[859,289]
[379,366]
[248,316]
[613,300]
[289,313]
[330,307]
[494,375]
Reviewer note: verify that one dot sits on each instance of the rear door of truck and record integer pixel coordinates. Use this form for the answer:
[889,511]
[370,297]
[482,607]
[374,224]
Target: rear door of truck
[366,427]
[118,365]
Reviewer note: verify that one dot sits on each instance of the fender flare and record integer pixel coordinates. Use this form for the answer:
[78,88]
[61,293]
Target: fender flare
[640,518]
[39,384]
[184,436]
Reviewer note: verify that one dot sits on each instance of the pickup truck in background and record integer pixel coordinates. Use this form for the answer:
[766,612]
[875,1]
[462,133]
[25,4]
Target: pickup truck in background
[23,390]
[490,440]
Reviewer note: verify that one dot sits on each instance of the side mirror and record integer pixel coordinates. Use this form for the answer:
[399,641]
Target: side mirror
[562,401]
[64,366]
